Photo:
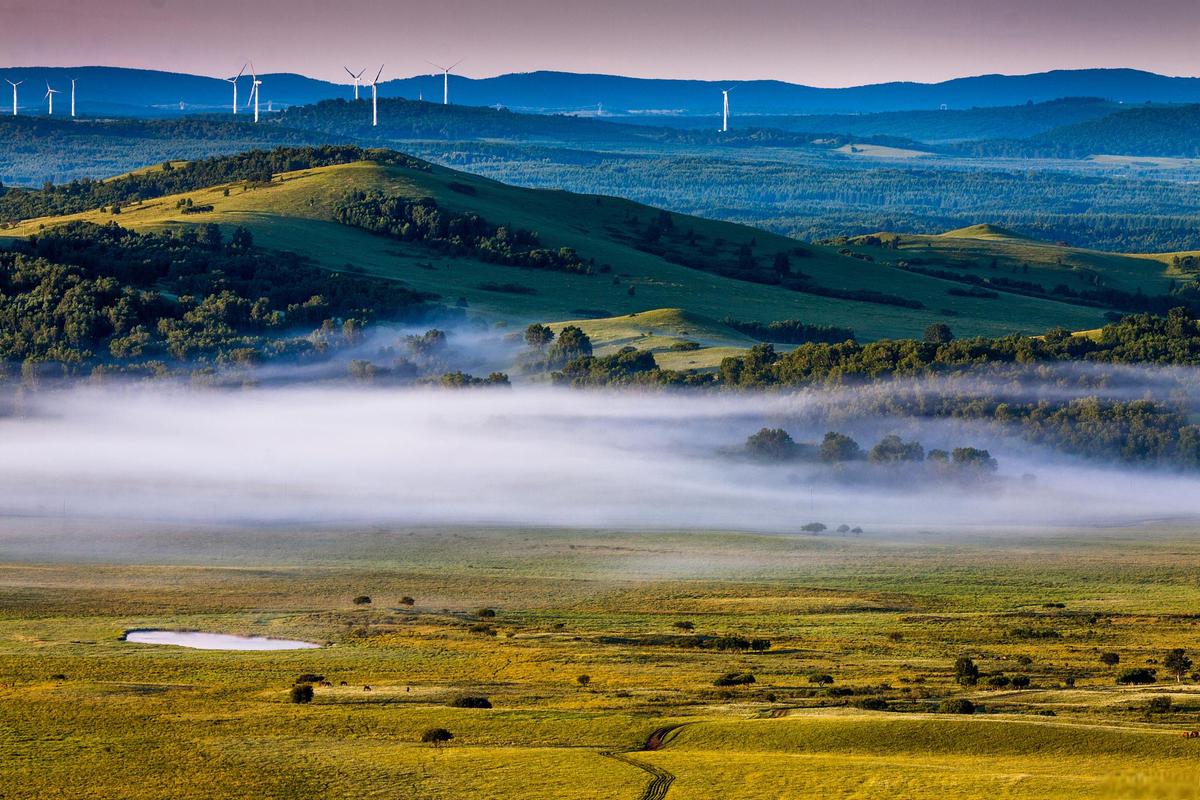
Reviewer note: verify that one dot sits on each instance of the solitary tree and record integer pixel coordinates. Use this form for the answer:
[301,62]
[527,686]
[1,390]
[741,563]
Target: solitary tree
[302,693]
[1177,663]
[893,450]
[583,680]
[771,444]
[436,736]
[838,447]
[965,671]
[538,336]
[938,333]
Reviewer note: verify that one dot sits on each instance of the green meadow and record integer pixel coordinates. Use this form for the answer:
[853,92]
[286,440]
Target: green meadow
[884,616]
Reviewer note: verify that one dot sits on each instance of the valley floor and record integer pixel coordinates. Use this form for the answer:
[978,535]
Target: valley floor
[85,714]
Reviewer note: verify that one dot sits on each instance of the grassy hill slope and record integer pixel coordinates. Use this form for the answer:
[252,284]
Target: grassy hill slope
[989,254]
[295,212]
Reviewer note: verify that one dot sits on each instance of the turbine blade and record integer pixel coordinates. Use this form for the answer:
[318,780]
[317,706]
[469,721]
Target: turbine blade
[377,74]
[348,72]
[456,63]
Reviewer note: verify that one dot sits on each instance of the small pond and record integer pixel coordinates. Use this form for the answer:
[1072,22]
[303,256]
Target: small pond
[215,641]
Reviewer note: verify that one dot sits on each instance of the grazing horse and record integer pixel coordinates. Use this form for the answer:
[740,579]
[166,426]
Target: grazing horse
[1191,734]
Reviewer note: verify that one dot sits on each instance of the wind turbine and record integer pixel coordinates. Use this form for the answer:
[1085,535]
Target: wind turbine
[50,96]
[72,98]
[356,78]
[254,84]
[725,108]
[375,97]
[14,85]
[445,79]
[234,82]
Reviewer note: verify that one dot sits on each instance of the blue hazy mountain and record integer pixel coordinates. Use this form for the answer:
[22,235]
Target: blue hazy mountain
[119,91]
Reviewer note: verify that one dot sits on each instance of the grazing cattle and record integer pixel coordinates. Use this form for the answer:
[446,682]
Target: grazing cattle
[1191,734]
[366,688]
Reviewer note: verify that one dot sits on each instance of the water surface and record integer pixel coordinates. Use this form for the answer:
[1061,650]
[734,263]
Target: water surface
[215,641]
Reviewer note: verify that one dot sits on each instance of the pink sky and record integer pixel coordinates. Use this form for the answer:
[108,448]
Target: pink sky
[827,43]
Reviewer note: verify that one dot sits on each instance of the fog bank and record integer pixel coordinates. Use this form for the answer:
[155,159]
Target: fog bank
[513,457]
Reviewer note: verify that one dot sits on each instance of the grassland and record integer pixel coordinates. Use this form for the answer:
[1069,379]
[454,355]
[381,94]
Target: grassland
[990,251]
[86,714]
[294,212]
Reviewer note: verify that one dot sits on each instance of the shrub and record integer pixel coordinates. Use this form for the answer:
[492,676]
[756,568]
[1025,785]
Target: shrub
[362,600]
[487,613]
[1020,681]
[583,680]
[814,527]
[484,630]
[820,678]
[470,701]
[436,736]
[957,705]
[407,601]
[1160,705]
[872,704]
[760,645]
[309,677]
[683,625]
[734,679]
[1110,659]
[1139,676]
[998,681]
[302,693]
[965,671]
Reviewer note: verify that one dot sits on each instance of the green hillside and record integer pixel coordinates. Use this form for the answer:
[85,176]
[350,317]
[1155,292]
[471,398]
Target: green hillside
[988,258]
[643,258]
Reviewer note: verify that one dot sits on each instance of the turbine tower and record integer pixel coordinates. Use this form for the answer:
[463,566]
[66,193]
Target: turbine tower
[234,81]
[72,98]
[50,97]
[725,107]
[375,97]
[356,78]
[254,84]
[445,79]
[14,85]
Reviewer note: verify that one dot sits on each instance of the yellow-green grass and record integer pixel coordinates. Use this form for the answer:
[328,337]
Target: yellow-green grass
[659,330]
[1022,258]
[294,213]
[886,615]
[881,151]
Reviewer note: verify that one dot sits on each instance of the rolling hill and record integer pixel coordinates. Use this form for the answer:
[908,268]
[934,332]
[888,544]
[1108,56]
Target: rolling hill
[112,90]
[642,258]
[1149,131]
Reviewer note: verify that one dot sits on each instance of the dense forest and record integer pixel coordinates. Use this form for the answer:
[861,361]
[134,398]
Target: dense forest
[86,296]
[815,195]
[460,234]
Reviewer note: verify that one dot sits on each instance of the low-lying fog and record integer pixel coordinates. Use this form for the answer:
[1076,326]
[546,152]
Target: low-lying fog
[524,456]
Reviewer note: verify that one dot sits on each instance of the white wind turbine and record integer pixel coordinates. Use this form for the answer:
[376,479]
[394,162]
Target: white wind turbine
[254,84]
[445,79]
[375,97]
[725,107]
[356,78]
[234,81]
[72,98]
[14,85]
[50,96]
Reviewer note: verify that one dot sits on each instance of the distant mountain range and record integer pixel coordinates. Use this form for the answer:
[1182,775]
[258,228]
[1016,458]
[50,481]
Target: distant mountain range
[131,92]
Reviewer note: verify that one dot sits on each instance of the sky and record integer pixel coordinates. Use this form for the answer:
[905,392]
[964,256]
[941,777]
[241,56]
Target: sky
[814,42]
